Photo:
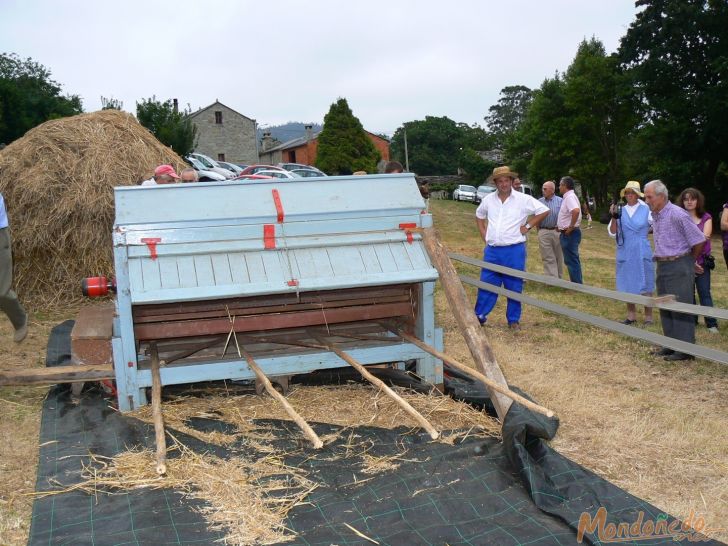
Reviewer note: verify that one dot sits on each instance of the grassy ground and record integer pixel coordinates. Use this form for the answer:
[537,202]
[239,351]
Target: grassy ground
[656,429]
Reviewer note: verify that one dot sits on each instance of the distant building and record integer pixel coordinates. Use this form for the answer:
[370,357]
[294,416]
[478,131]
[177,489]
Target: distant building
[304,149]
[225,135]
[495,155]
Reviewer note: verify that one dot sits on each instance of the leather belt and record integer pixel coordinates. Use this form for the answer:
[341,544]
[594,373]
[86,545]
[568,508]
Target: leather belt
[541,227]
[669,258]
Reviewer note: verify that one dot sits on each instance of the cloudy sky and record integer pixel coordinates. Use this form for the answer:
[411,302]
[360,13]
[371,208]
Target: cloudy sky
[287,60]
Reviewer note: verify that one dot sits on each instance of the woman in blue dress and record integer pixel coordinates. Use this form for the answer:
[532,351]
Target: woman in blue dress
[635,271]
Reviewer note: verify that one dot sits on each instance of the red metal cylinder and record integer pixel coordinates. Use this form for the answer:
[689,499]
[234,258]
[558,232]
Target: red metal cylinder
[96,287]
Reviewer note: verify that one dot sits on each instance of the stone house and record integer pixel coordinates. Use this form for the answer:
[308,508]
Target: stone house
[225,135]
[303,149]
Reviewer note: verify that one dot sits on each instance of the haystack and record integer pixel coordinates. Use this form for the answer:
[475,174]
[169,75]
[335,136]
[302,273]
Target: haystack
[58,182]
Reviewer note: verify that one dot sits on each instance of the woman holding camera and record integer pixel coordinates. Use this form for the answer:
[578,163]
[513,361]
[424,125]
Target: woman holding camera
[629,225]
[692,200]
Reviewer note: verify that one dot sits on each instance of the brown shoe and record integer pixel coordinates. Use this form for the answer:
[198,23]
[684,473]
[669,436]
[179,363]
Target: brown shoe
[516,327]
[21,332]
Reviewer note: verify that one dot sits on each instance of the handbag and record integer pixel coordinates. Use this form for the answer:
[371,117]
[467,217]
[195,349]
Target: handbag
[709,261]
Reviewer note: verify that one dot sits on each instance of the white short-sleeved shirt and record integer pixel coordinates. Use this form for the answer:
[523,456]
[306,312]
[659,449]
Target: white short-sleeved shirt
[569,202]
[506,218]
[150,182]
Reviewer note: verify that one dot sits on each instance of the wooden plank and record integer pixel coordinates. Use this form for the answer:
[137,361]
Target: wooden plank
[150,274]
[346,261]
[221,269]
[94,322]
[323,262]
[401,259]
[256,270]
[667,303]
[203,269]
[187,274]
[606,324]
[369,259]
[162,330]
[238,268]
[57,374]
[471,330]
[168,272]
[386,259]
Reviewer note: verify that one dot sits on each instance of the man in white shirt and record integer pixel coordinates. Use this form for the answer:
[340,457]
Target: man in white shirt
[503,222]
[568,224]
[164,174]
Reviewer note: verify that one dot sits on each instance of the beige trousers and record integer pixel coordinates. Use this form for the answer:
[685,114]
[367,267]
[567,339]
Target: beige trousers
[551,254]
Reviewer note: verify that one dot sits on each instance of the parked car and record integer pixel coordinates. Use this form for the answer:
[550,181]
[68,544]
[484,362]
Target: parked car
[253,169]
[211,165]
[254,177]
[464,193]
[202,173]
[299,166]
[482,192]
[307,173]
[277,173]
[231,167]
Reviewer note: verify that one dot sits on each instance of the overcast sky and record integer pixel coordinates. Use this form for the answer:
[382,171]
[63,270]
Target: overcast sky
[286,60]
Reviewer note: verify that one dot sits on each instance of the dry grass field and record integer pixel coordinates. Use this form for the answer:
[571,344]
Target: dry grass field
[656,429]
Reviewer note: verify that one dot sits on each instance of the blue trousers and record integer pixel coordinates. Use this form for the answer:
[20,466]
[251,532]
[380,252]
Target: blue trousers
[570,247]
[513,256]
[702,284]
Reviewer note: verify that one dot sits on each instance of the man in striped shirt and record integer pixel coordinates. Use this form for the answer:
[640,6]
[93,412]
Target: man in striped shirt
[548,237]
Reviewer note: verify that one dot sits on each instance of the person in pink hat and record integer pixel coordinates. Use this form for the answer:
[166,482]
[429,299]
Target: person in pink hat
[164,174]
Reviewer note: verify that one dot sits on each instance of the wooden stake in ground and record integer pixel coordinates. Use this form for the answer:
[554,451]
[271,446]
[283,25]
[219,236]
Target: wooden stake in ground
[304,426]
[424,423]
[468,323]
[472,373]
[157,413]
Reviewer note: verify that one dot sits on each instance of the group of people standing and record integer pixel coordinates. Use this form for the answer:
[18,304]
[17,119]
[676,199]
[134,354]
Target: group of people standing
[680,264]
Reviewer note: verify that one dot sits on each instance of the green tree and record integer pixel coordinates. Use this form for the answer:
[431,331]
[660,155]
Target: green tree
[578,124]
[506,116]
[343,145]
[172,128]
[676,52]
[111,104]
[29,97]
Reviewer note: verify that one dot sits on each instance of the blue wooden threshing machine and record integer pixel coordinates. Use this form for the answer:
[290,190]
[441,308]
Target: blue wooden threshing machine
[279,263]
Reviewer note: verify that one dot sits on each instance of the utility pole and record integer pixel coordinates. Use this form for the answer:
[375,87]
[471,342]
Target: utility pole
[406,155]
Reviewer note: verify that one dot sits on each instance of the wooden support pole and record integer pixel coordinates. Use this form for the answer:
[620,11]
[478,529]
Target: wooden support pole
[56,374]
[303,425]
[157,413]
[417,416]
[462,311]
[472,373]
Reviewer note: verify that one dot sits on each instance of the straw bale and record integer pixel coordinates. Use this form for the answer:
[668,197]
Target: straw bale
[58,182]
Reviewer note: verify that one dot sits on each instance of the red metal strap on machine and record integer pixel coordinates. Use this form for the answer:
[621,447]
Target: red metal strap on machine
[151,242]
[407,227]
[292,282]
[269,236]
[279,205]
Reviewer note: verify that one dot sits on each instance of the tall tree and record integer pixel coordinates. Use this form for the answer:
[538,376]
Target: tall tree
[506,116]
[343,145]
[676,52]
[172,128]
[28,97]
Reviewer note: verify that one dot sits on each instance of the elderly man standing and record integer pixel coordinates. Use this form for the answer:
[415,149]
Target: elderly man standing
[503,221]
[548,238]
[678,243]
[568,223]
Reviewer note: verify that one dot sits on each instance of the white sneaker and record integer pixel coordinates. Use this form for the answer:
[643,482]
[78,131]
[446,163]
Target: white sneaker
[713,330]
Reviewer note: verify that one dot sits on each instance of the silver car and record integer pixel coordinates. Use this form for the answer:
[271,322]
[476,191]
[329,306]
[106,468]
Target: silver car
[482,192]
[464,193]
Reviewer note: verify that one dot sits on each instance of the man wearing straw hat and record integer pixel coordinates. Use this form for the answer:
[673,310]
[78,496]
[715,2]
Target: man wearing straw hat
[8,299]
[503,221]
[678,243]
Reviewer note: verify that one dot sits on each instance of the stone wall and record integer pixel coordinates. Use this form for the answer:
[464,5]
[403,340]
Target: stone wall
[228,133]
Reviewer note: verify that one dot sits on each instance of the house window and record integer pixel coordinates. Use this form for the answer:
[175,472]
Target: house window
[218,118]
[221,157]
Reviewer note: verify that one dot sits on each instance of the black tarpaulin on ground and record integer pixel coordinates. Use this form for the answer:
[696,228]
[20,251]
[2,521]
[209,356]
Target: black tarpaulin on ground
[518,491]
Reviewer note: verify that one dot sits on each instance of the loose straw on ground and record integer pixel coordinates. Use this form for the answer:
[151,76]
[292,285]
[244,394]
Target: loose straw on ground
[157,413]
[424,423]
[471,372]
